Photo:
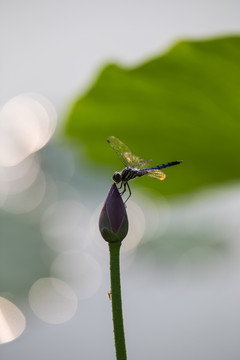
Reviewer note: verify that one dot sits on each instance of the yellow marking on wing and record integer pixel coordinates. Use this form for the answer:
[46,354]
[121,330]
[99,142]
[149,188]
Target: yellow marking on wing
[157,174]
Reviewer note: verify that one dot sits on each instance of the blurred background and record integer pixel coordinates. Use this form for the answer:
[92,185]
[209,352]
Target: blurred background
[164,78]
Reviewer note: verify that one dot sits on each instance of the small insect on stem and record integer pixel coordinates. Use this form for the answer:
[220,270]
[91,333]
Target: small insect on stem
[109,294]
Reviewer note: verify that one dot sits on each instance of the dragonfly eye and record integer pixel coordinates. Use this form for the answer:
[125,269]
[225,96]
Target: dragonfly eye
[117,177]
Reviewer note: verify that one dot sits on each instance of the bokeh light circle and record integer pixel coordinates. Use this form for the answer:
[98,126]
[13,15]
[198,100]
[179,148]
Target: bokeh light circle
[27,122]
[80,270]
[64,225]
[52,300]
[20,177]
[12,321]
[28,200]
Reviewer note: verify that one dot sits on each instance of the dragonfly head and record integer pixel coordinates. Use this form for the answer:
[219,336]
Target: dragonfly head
[117,178]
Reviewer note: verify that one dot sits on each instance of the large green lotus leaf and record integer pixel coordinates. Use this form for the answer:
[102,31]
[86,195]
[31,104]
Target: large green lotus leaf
[182,105]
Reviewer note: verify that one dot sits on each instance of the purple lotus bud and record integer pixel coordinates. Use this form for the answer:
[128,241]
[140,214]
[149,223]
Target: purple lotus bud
[113,221]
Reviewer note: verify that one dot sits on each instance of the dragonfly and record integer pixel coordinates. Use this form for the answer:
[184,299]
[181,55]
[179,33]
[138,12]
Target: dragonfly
[134,166]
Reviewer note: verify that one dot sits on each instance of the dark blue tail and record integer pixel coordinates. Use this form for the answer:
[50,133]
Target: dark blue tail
[172,163]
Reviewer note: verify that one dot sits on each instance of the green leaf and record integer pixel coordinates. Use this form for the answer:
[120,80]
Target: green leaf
[183,105]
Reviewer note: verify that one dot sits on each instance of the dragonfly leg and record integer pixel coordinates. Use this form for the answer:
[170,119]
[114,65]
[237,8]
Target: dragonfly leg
[129,192]
[124,188]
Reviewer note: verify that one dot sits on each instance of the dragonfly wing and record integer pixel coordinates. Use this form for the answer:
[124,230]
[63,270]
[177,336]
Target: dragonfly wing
[121,150]
[135,161]
[156,174]
[125,154]
[142,162]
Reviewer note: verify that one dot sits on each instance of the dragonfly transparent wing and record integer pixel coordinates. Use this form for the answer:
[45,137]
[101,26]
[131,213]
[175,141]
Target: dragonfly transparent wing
[156,174]
[125,154]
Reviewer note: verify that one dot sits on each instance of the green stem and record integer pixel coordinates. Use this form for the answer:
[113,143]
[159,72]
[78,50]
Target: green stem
[120,347]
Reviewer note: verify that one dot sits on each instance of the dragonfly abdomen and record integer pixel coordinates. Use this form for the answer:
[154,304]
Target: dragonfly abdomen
[162,166]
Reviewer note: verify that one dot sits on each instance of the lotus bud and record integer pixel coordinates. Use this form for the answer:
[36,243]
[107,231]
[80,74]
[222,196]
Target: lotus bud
[113,221]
